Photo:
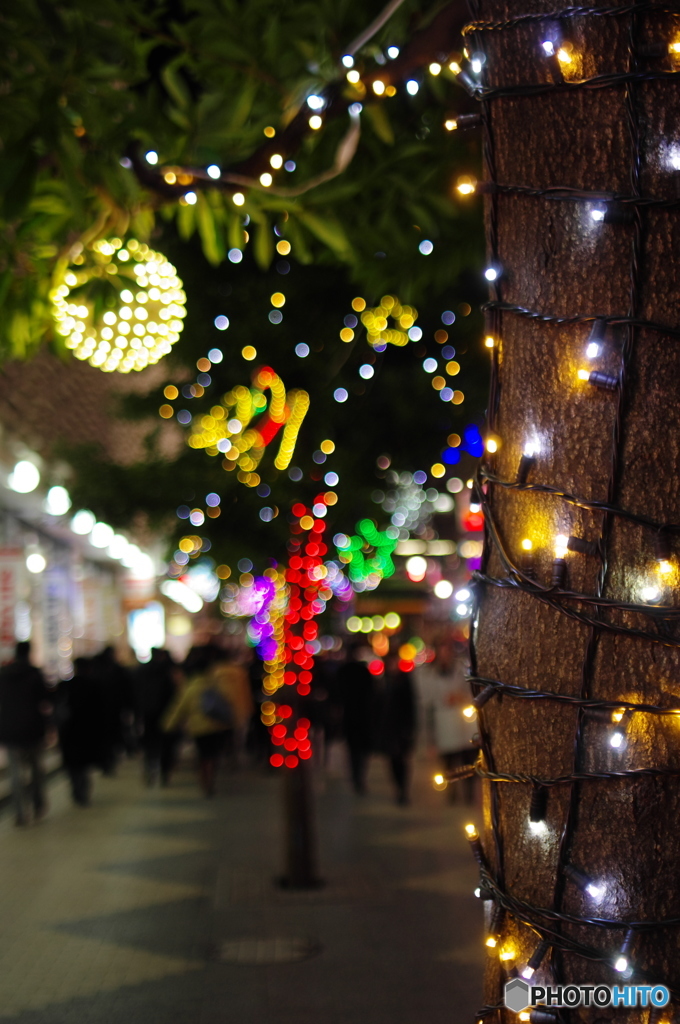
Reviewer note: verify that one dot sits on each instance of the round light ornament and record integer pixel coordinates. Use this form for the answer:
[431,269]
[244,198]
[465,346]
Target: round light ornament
[119,306]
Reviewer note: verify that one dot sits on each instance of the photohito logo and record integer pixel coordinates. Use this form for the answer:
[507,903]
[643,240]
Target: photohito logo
[520,995]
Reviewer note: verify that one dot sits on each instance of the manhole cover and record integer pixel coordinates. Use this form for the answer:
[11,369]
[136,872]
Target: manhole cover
[267,951]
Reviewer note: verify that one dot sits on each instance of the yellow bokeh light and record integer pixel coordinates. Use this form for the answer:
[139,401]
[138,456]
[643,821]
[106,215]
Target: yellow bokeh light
[454,440]
[407,652]
[327,447]
[378,87]
[276,161]
[147,290]
[331,498]
[458,397]
[283,247]
[269,132]
[452,368]
[438,383]
[489,341]
[358,304]
[306,522]
[353,77]
[527,544]
[437,470]
[346,334]
[186,544]
[465,186]
[166,411]
[249,352]
[238,199]
[434,68]
[491,444]
[223,572]
[278,299]
[315,122]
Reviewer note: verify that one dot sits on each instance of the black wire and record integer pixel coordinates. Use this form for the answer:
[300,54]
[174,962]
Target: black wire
[608,705]
[614,321]
[568,12]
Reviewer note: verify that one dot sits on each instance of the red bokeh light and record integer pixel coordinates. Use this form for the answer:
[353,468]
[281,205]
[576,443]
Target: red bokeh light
[406,666]
[298,509]
[304,689]
[291,761]
[276,760]
[305,754]
[376,667]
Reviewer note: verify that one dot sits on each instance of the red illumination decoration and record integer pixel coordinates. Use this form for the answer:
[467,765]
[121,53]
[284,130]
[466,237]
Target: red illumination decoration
[305,579]
[405,666]
[376,667]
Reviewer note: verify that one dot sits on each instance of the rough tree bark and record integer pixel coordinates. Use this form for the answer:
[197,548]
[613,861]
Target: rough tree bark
[619,446]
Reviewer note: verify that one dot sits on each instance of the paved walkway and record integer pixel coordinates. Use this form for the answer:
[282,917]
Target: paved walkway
[157,906]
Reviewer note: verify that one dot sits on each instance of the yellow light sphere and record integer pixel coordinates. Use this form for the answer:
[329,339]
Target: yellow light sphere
[136,284]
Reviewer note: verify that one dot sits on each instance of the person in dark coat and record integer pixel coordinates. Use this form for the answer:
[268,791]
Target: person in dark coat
[155,690]
[83,728]
[356,688]
[115,688]
[24,706]
[397,724]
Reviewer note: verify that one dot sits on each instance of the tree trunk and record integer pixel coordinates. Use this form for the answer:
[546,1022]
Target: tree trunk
[618,444]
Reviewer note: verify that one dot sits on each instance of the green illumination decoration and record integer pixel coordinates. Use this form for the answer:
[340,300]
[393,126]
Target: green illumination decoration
[368,554]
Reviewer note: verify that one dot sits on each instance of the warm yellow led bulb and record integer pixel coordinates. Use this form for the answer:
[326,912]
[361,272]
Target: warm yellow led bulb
[489,341]
[434,68]
[665,567]
[527,544]
[584,374]
[491,942]
[470,711]
[674,47]
[563,56]
[560,545]
[378,87]
[491,445]
[451,124]
[353,77]
[465,185]
[507,953]
[438,780]
[471,831]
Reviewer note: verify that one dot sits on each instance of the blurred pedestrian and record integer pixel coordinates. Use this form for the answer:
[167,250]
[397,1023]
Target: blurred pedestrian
[115,687]
[154,692]
[445,692]
[397,724]
[204,710]
[24,707]
[83,728]
[231,680]
[356,690]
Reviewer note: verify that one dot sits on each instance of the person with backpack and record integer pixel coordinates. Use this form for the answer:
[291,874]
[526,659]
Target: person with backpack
[204,710]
